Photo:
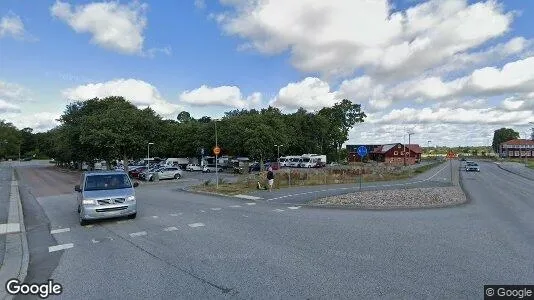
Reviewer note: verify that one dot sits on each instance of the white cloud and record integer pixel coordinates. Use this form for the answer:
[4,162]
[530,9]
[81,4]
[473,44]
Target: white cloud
[519,103]
[11,25]
[8,107]
[114,26]
[200,4]
[138,92]
[229,96]
[39,122]
[333,37]
[11,96]
[311,93]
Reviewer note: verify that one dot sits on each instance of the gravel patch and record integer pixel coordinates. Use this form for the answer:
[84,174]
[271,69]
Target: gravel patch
[402,198]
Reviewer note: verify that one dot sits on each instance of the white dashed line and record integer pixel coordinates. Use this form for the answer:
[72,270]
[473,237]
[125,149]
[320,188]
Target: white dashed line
[59,230]
[235,206]
[196,225]
[170,229]
[248,197]
[202,211]
[216,208]
[294,207]
[173,215]
[155,217]
[278,210]
[140,233]
[60,247]
[9,228]
[251,203]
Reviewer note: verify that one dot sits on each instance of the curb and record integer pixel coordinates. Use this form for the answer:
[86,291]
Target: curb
[206,193]
[16,258]
[512,172]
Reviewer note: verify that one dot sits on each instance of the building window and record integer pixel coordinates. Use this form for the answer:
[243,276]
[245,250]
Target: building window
[396,153]
[399,146]
[516,153]
[402,153]
[399,159]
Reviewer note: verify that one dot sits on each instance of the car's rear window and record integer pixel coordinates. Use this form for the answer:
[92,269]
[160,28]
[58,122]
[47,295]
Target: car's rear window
[107,182]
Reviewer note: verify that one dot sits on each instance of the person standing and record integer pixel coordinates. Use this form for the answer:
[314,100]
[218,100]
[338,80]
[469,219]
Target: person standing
[270,178]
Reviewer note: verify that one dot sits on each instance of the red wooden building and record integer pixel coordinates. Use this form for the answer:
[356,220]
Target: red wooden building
[398,154]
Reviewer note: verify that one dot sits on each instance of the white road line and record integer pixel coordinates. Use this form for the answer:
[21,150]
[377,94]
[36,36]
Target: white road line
[94,241]
[202,211]
[250,203]
[172,228]
[60,247]
[235,206]
[278,210]
[294,207]
[155,217]
[173,215]
[9,228]
[248,197]
[245,216]
[122,221]
[367,186]
[216,208]
[59,230]
[196,225]
[140,233]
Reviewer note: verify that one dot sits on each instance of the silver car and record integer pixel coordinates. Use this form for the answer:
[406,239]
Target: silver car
[108,194]
[166,173]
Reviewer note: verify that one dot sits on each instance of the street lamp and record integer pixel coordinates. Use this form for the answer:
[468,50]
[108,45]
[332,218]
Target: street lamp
[148,159]
[279,154]
[429,147]
[216,156]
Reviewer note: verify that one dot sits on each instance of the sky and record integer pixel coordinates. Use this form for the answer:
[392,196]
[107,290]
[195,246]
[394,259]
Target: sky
[449,71]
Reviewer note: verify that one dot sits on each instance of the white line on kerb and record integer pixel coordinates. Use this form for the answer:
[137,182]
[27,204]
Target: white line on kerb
[216,208]
[172,228]
[9,228]
[250,203]
[140,233]
[294,207]
[196,225]
[235,206]
[173,215]
[61,230]
[60,247]
[278,209]
[368,186]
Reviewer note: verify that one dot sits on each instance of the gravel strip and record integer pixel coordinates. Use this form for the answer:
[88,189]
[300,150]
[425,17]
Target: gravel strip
[402,198]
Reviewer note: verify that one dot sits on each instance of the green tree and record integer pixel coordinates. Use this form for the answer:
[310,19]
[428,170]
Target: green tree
[503,135]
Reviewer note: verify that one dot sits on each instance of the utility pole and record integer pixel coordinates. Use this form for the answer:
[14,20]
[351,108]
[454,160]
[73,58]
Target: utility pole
[216,157]
[278,159]
[429,148]
[409,142]
[148,160]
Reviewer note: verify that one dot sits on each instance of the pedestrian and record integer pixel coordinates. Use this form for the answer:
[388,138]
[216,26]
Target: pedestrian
[270,178]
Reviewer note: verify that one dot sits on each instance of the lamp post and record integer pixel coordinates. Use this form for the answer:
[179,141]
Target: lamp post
[429,147]
[278,159]
[148,160]
[216,157]
[409,142]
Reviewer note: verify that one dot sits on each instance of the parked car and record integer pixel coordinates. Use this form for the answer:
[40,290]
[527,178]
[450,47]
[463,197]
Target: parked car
[134,173]
[193,167]
[166,173]
[146,174]
[209,169]
[107,194]
[255,167]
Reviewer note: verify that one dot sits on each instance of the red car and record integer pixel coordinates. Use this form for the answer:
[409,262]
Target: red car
[135,172]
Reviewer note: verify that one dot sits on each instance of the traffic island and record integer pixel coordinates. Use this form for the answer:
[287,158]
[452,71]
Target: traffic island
[397,199]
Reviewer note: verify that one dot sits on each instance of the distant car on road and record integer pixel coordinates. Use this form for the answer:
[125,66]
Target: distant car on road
[193,167]
[209,169]
[472,167]
[105,194]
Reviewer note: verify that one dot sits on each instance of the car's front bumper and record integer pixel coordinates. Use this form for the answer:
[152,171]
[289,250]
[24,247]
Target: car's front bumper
[94,212]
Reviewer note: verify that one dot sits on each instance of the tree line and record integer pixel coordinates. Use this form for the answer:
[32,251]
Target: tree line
[112,128]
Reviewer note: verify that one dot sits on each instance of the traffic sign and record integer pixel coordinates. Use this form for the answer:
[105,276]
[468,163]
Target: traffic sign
[217,150]
[362,151]
[451,155]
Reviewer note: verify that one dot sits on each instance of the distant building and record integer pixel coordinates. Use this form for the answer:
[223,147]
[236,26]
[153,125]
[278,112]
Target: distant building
[395,153]
[517,148]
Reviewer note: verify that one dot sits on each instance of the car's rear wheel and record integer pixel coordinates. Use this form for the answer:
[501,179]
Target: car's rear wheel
[177,176]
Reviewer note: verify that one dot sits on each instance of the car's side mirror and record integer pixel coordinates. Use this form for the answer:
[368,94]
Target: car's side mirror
[77,188]
[136,184]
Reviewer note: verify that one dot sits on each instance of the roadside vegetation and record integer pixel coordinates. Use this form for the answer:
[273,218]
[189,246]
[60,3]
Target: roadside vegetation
[295,177]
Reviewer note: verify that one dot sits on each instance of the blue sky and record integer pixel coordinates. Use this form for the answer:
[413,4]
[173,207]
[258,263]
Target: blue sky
[450,70]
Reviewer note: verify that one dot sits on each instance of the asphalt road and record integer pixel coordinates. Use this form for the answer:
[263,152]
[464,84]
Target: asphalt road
[5,189]
[186,245]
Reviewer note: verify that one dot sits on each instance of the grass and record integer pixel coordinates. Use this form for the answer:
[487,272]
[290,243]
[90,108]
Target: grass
[248,183]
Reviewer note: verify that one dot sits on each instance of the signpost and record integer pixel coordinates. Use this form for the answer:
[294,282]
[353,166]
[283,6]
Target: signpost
[450,156]
[217,151]
[362,152]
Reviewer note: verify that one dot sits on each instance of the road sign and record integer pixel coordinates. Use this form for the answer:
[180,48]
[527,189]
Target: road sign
[451,155]
[217,150]
[362,151]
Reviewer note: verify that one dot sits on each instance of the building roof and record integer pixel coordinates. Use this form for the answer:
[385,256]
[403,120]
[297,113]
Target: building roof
[518,142]
[415,148]
[385,148]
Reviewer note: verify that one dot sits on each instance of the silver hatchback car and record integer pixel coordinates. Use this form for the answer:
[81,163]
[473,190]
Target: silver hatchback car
[105,194]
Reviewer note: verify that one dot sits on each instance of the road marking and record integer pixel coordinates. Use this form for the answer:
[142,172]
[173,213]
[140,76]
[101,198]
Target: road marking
[216,208]
[140,233]
[9,228]
[172,228]
[364,187]
[59,230]
[250,203]
[235,206]
[89,226]
[174,215]
[294,207]
[94,241]
[248,197]
[155,217]
[60,247]
[245,216]
[196,225]
[278,210]
[122,221]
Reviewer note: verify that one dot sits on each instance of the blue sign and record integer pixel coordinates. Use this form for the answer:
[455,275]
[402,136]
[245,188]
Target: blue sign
[362,151]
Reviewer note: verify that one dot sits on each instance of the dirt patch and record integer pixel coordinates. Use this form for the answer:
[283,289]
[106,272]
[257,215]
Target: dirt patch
[402,198]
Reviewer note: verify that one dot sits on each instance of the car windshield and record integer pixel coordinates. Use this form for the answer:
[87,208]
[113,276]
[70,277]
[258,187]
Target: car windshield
[107,182]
